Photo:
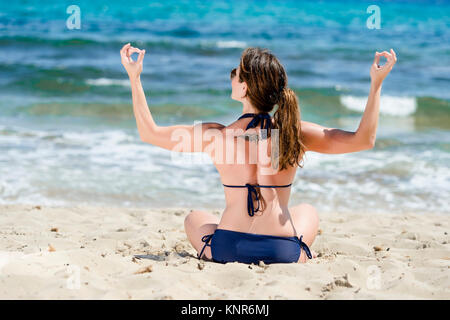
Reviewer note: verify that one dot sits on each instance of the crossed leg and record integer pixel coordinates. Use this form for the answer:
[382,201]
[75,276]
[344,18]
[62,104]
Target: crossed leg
[198,224]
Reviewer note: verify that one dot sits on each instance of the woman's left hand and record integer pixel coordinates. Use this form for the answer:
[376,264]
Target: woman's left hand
[378,73]
[133,68]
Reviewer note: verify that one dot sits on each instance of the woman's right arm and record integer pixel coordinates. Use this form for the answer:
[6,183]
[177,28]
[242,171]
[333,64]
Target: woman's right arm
[331,140]
[180,138]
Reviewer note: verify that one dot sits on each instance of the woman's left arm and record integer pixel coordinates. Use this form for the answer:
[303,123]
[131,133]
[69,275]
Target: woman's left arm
[149,132]
[331,140]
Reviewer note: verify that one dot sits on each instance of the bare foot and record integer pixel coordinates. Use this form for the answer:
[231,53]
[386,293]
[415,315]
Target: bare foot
[303,258]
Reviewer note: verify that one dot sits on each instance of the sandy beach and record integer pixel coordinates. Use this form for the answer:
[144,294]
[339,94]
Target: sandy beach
[88,253]
[93,200]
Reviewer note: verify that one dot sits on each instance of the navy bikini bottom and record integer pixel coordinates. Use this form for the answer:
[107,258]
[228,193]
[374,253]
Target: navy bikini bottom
[232,246]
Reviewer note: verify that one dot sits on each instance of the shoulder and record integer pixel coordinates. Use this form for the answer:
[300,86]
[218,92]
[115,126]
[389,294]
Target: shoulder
[213,125]
[310,129]
[209,129]
[312,134]
[307,126]
[207,126]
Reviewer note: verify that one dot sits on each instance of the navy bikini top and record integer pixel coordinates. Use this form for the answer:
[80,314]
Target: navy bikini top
[264,118]
[266,123]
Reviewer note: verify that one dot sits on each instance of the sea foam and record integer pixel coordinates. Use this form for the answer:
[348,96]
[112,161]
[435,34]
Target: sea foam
[108,82]
[389,105]
[231,44]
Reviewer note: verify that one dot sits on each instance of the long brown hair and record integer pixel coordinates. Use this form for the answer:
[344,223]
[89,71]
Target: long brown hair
[266,87]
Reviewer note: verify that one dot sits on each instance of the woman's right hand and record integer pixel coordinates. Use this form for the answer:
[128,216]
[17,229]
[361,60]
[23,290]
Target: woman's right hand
[377,72]
[133,68]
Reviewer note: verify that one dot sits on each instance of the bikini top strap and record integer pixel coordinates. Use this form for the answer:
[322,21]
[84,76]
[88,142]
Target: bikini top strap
[282,186]
[251,191]
[264,118]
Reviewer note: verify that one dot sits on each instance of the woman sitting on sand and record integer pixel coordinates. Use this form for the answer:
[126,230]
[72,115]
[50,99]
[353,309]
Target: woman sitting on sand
[257,224]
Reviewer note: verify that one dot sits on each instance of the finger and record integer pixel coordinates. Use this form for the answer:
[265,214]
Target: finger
[389,57]
[123,54]
[132,50]
[123,48]
[394,55]
[386,54]
[141,56]
[122,51]
[376,60]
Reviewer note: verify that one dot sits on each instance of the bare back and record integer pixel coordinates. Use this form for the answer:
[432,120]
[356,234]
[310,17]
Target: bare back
[248,161]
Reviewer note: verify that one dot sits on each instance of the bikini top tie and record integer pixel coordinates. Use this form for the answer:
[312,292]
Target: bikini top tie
[264,118]
[251,190]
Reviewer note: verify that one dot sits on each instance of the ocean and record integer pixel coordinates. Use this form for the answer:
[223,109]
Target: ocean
[68,135]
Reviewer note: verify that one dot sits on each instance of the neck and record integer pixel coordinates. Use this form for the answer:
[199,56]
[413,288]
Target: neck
[248,108]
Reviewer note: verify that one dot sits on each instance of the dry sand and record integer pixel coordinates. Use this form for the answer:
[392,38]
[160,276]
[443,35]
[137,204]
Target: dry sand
[87,253]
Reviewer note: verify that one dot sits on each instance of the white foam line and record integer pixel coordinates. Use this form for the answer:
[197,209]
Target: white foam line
[108,82]
[389,105]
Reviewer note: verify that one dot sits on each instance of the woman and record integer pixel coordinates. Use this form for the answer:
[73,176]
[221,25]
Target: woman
[257,224]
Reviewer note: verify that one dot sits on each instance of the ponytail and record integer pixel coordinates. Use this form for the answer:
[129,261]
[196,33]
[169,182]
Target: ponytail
[287,121]
[267,83]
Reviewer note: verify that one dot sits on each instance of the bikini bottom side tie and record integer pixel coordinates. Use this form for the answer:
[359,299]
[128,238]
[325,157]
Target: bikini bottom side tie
[305,247]
[206,239]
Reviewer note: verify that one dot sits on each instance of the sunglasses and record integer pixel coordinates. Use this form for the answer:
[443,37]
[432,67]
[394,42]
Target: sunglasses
[233,73]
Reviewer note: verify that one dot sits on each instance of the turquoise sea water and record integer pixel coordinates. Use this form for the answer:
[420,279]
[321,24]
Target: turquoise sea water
[68,135]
